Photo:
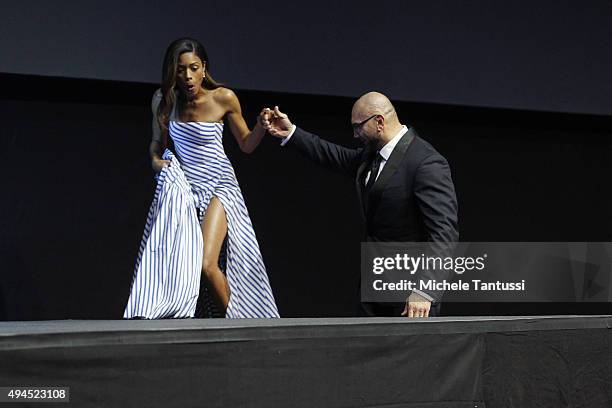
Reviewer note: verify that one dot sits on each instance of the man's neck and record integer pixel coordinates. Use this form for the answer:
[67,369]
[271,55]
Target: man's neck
[389,134]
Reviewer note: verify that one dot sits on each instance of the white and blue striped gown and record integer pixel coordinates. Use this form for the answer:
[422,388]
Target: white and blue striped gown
[169,289]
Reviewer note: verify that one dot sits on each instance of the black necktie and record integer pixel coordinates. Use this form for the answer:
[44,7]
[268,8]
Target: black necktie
[373,172]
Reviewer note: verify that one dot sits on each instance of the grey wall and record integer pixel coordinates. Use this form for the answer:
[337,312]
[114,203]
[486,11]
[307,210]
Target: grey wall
[531,55]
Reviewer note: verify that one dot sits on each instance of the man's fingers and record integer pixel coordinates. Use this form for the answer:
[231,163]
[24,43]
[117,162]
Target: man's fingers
[278,113]
[425,310]
[411,311]
[416,309]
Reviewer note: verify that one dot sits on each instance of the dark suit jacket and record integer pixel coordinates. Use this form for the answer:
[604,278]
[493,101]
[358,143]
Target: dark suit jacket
[413,199]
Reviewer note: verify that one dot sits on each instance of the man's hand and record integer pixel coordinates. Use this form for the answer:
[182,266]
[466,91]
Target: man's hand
[416,306]
[276,122]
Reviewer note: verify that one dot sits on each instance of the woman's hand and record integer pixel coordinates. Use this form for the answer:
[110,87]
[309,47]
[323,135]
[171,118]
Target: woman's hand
[263,117]
[159,164]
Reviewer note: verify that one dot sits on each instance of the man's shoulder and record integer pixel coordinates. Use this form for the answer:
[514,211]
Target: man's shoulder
[421,146]
[421,153]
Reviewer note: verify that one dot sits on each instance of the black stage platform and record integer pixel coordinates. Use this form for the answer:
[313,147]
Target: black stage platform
[562,361]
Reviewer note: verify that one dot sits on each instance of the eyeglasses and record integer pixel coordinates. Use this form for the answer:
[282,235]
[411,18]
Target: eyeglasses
[357,126]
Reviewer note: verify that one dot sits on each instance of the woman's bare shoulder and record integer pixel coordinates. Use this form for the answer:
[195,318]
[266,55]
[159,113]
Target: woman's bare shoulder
[224,96]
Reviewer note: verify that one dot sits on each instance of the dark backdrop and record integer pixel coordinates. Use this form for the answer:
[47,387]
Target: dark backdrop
[78,186]
[540,55]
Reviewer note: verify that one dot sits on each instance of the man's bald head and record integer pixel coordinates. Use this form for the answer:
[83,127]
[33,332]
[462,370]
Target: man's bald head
[373,103]
[374,118]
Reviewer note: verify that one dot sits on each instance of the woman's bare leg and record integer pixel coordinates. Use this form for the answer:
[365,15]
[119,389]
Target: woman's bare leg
[214,230]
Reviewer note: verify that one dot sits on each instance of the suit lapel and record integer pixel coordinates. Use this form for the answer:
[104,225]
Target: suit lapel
[369,152]
[389,170]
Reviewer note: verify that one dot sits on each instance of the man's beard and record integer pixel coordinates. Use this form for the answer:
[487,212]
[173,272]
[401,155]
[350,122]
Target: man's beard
[369,142]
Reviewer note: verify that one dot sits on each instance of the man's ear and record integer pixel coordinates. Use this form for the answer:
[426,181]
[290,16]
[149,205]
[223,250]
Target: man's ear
[380,123]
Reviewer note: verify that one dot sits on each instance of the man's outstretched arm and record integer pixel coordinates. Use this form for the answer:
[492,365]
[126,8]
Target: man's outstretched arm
[327,154]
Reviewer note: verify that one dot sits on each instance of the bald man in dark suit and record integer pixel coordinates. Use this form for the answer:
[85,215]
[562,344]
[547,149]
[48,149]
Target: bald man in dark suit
[404,185]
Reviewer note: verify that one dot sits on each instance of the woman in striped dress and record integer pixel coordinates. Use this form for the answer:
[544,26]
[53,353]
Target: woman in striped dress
[188,113]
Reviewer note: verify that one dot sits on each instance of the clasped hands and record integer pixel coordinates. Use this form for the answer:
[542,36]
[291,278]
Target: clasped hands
[275,122]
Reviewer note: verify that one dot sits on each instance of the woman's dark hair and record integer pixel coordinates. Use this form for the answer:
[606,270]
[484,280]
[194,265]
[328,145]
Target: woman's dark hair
[168,85]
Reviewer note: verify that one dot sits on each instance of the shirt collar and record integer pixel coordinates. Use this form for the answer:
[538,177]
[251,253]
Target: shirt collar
[386,151]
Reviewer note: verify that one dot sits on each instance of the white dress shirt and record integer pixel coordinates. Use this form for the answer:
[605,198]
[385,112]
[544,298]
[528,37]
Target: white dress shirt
[386,151]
